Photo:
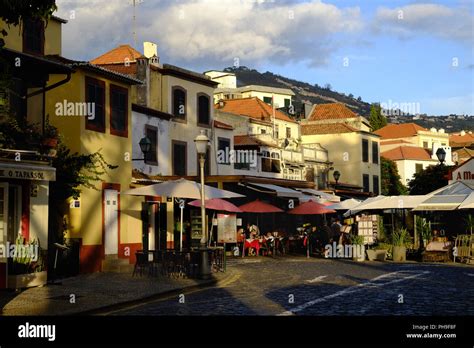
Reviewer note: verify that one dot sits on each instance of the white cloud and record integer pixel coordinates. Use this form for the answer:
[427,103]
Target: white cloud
[211,31]
[432,19]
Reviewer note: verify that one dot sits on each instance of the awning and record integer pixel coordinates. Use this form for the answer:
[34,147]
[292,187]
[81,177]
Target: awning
[388,202]
[326,196]
[441,202]
[468,203]
[278,190]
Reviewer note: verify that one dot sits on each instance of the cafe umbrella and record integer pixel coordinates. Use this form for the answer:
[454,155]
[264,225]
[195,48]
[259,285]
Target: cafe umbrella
[310,208]
[181,188]
[216,204]
[258,206]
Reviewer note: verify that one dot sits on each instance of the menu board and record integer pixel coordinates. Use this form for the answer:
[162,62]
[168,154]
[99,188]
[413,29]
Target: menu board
[227,228]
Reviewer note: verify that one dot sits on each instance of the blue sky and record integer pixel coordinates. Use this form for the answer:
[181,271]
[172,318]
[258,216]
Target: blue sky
[398,51]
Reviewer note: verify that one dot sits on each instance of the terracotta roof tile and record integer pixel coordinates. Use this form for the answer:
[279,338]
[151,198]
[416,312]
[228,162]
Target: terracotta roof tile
[391,142]
[222,125]
[403,130]
[332,128]
[407,153]
[458,140]
[118,55]
[252,107]
[331,111]
[122,68]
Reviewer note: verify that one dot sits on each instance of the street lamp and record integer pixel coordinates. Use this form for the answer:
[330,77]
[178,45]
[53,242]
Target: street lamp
[145,147]
[336,176]
[202,142]
[441,154]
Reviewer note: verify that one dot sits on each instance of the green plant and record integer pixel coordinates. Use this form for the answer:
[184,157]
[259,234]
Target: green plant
[50,131]
[24,260]
[357,240]
[423,228]
[381,230]
[469,220]
[400,237]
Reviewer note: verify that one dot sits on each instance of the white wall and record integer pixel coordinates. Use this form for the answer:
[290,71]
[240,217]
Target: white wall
[139,121]
[407,168]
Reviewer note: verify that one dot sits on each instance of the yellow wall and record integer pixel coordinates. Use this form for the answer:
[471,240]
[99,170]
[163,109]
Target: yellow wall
[115,150]
[345,151]
[52,33]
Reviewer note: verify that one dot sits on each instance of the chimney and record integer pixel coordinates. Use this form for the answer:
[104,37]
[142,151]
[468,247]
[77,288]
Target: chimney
[150,50]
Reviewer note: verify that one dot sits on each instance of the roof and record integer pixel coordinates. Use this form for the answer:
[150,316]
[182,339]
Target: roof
[118,55]
[458,140]
[222,125]
[332,128]
[407,153]
[261,88]
[402,130]
[176,71]
[331,111]
[464,152]
[253,108]
[396,141]
[151,112]
[247,140]
[129,69]
[96,69]
[58,19]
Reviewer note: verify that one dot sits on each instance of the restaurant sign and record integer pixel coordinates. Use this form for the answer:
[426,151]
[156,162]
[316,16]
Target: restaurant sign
[27,172]
[465,172]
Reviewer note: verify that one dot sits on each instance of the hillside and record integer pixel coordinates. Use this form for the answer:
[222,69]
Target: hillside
[316,94]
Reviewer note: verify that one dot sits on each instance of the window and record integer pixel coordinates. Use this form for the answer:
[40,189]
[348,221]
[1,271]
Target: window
[271,162]
[267,100]
[118,111]
[95,94]
[418,167]
[179,102]
[365,182]
[33,36]
[223,147]
[179,158]
[288,132]
[152,156]
[425,144]
[277,133]
[365,150]
[375,153]
[443,144]
[287,102]
[204,110]
[375,179]
[263,131]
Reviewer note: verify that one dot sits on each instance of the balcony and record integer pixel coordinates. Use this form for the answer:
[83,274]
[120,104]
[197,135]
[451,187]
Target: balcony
[292,156]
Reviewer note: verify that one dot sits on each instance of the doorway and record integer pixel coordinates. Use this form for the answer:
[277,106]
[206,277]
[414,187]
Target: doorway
[111,222]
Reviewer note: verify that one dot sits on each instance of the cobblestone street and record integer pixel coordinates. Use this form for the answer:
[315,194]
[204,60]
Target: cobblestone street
[300,286]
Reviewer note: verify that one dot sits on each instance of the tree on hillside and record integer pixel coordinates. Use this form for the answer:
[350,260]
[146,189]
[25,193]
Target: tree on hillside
[328,86]
[376,119]
[429,179]
[391,182]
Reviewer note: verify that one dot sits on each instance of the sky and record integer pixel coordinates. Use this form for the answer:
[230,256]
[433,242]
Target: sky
[386,51]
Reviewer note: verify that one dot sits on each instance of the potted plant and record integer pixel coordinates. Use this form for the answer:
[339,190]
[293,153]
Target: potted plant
[424,229]
[50,135]
[358,248]
[400,239]
[27,267]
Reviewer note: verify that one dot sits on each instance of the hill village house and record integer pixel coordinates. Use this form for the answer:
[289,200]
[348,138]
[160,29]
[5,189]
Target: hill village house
[138,97]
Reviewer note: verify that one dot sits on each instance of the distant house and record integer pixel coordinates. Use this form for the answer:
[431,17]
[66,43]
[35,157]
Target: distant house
[428,139]
[227,89]
[353,148]
[409,159]
[461,140]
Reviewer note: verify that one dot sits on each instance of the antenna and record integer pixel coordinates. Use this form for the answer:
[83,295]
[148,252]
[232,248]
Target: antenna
[135,3]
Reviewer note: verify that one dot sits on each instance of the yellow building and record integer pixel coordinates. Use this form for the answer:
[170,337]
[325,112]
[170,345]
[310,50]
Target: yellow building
[353,149]
[91,107]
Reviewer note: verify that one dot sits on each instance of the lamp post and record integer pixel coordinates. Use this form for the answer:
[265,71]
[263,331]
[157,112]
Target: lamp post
[336,176]
[202,142]
[145,147]
[441,154]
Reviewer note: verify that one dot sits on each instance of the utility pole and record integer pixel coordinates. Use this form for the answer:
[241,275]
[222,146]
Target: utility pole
[135,3]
